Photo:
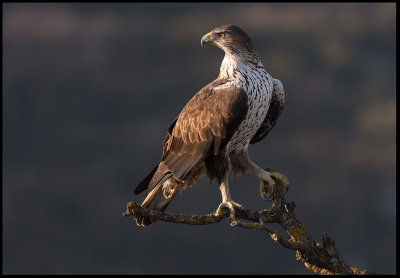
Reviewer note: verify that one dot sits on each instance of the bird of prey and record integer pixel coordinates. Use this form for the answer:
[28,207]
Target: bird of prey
[212,133]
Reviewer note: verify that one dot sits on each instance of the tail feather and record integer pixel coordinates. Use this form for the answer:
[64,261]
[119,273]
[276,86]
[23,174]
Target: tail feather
[156,200]
[145,182]
[161,189]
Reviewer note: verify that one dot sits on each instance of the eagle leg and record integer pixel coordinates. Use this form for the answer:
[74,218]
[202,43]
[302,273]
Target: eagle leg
[227,201]
[272,184]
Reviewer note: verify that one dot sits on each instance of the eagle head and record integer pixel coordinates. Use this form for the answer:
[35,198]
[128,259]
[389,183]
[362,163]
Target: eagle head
[229,38]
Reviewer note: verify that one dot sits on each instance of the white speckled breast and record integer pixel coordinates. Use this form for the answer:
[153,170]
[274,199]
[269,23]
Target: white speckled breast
[259,87]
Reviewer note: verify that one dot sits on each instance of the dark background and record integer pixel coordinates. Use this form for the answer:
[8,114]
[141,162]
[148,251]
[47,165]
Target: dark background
[89,90]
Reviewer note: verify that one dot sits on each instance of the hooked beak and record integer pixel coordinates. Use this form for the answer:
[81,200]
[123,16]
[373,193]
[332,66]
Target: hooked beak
[207,38]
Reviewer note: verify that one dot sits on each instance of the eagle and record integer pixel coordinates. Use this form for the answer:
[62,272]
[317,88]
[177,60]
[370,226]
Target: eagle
[212,133]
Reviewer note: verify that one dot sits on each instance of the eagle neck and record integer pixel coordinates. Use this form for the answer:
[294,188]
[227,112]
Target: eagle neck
[235,67]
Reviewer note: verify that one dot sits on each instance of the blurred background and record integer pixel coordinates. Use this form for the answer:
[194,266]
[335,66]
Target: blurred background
[90,89]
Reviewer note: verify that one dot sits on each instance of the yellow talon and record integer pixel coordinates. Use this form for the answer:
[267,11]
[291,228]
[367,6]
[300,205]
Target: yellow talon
[268,188]
[231,205]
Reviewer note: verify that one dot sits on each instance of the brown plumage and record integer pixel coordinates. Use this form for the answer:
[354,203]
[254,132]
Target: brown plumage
[217,123]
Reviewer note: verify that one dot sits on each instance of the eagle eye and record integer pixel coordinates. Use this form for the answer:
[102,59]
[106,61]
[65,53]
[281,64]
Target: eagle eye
[221,35]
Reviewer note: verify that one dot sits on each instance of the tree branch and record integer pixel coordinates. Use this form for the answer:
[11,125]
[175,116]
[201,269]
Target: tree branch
[321,260]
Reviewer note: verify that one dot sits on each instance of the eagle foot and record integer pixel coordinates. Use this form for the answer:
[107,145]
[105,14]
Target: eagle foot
[231,205]
[273,185]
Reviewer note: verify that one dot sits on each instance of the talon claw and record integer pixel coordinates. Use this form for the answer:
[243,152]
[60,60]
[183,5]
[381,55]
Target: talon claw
[231,206]
[272,185]
[269,194]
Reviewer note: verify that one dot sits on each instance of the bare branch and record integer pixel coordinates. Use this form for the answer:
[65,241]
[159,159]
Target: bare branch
[321,260]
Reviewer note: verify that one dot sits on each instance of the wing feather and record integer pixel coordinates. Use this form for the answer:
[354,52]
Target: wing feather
[204,127]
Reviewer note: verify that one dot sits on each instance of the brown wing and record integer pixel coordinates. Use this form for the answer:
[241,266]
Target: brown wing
[204,127]
[274,111]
